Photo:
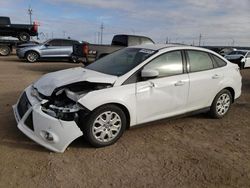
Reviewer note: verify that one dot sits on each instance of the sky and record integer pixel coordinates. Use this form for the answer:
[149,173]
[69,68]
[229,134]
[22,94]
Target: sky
[219,22]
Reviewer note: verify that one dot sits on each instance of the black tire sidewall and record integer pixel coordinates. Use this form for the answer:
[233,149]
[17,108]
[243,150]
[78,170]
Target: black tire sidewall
[213,110]
[87,128]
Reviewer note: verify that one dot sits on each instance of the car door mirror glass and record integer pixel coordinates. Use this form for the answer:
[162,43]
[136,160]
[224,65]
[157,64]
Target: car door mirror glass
[149,73]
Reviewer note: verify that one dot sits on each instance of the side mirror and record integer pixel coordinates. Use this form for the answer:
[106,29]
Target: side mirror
[46,45]
[149,73]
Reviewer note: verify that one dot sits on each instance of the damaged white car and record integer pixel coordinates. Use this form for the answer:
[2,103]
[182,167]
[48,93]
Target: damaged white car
[132,86]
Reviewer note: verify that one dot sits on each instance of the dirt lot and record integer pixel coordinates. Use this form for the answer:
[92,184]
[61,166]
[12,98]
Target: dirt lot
[185,152]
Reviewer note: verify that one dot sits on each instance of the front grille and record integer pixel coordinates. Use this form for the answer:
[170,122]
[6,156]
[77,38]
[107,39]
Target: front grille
[29,121]
[23,105]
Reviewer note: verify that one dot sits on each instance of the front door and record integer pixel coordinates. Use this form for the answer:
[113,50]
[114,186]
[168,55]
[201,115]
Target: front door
[165,95]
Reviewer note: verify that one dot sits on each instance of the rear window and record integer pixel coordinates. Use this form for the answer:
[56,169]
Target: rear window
[4,21]
[219,61]
[120,40]
[199,61]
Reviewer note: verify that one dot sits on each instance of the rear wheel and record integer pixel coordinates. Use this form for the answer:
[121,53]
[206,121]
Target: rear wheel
[24,37]
[221,104]
[105,126]
[5,50]
[32,56]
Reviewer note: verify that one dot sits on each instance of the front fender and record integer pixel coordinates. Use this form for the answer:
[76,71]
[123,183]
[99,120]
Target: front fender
[123,95]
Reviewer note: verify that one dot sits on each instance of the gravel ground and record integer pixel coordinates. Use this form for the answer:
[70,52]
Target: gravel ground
[191,151]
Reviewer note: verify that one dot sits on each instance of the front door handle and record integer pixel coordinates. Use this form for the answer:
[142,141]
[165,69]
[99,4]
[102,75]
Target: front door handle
[216,76]
[146,86]
[179,83]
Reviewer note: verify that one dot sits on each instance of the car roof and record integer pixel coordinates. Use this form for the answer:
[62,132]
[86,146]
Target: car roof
[164,46]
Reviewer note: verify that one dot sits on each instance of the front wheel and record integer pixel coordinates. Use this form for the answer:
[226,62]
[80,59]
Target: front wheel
[105,126]
[221,104]
[32,56]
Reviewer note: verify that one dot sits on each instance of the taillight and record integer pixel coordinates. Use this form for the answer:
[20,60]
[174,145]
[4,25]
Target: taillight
[35,26]
[85,49]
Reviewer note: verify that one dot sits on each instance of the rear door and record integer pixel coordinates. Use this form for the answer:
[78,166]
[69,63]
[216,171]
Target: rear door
[204,79]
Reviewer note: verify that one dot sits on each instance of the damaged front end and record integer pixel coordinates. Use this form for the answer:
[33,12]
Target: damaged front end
[54,121]
[63,104]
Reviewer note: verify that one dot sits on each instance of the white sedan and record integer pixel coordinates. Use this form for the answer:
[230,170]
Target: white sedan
[132,86]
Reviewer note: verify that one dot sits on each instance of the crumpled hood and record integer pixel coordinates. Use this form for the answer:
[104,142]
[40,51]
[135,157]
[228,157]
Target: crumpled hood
[49,82]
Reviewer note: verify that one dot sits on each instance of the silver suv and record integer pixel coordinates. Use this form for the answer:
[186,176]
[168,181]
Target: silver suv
[53,48]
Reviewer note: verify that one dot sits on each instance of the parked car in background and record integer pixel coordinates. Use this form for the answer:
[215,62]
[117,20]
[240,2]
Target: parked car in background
[21,31]
[226,51]
[131,86]
[88,53]
[53,48]
[239,57]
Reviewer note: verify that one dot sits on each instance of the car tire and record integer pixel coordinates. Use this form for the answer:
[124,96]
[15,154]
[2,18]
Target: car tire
[24,37]
[221,104]
[5,50]
[105,126]
[242,65]
[32,56]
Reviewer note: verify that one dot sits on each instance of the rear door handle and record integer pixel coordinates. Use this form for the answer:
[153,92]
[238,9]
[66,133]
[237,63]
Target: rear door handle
[216,76]
[179,83]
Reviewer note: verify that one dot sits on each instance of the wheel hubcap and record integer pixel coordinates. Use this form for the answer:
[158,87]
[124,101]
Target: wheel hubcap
[223,104]
[32,57]
[106,126]
[4,51]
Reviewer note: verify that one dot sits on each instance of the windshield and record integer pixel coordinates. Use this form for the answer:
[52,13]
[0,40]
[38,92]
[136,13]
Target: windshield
[120,62]
[45,42]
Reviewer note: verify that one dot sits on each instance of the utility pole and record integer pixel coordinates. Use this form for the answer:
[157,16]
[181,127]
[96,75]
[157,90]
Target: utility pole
[30,11]
[98,37]
[167,40]
[102,28]
[200,40]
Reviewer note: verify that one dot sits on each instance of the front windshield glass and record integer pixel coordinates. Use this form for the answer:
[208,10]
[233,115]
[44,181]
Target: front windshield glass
[120,62]
[45,42]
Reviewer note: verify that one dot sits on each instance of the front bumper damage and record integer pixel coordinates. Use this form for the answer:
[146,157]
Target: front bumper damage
[50,132]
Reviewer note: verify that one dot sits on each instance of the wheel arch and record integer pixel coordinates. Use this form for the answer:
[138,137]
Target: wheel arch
[25,54]
[231,90]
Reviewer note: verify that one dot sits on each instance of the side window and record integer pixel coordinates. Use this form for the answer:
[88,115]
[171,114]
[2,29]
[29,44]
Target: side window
[67,43]
[219,61]
[168,64]
[145,40]
[133,41]
[55,43]
[199,61]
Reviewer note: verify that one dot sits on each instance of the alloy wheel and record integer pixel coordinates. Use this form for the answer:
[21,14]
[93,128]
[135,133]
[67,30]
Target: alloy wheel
[106,126]
[223,104]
